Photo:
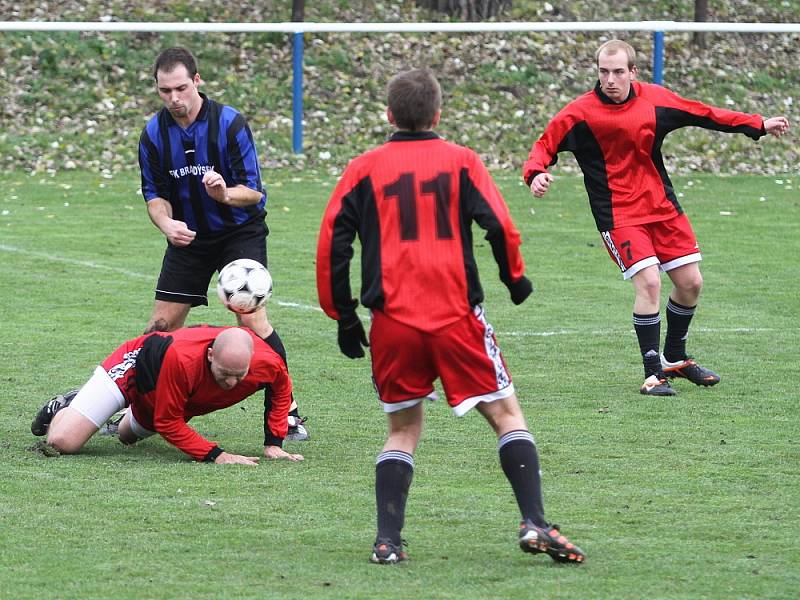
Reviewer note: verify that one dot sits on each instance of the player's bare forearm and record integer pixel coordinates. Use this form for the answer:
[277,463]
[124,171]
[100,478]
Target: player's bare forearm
[158,210]
[238,195]
[176,232]
[242,195]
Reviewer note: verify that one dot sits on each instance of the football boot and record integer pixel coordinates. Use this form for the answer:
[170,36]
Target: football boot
[549,540]
[41,422]
[689,369]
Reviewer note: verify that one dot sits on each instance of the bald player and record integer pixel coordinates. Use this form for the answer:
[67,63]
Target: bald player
[162,380]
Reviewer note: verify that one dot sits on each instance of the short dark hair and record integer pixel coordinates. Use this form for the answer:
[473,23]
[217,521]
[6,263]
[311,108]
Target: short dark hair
[171,58]
[414,97]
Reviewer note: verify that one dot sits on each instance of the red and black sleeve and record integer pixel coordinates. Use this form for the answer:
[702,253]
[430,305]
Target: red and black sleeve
[338,230]
[481,198]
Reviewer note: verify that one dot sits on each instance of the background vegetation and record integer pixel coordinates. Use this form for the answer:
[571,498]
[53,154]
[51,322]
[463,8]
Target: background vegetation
[79,100]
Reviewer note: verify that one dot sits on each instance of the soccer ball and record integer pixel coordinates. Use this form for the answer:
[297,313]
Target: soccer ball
[244,285]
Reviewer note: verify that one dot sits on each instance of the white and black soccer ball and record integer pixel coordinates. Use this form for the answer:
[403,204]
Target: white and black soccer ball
[244,285]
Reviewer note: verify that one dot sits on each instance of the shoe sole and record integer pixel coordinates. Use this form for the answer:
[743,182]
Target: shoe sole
[392,560]
[648,393]
[675,375]
[564,556]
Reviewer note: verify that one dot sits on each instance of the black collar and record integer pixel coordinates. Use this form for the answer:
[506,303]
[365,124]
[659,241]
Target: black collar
[410,136]
[606,100]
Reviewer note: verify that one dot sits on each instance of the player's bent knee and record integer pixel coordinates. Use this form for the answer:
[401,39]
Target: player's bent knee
[70,430]
[64,443]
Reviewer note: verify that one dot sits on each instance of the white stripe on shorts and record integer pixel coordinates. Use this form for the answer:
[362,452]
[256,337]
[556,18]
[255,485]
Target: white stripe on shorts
[502,377]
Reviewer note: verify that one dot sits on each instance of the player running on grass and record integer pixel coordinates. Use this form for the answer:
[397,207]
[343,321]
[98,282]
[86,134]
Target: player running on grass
[165,379]
[412,202]
[615,132]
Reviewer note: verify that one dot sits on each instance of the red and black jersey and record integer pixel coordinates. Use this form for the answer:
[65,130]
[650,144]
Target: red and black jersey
[412,202]
[618,148]
[171,382]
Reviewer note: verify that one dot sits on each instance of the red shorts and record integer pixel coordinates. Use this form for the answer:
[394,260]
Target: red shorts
[121,367]
[463,355]
[669,244]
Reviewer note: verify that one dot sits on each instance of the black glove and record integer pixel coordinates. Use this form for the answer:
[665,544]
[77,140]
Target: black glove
[520,290]
[351,337]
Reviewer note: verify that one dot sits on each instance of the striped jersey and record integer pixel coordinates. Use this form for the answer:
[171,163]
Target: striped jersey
[412,202]
[173,161]
[618,148]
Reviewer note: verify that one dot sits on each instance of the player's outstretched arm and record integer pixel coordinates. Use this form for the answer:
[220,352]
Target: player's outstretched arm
[236,459]
[776,126]
[541,183]
[278,453]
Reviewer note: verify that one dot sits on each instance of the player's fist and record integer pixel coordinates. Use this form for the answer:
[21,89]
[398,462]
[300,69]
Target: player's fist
[215,186]
[541,183]
[178,233]
[351,337]
[776,126]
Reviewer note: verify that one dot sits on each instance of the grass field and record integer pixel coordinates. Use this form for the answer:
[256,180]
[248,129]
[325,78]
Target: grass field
[695,496]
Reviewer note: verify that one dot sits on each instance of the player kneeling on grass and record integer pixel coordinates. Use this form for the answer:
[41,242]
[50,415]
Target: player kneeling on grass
[412,202]
[165,379]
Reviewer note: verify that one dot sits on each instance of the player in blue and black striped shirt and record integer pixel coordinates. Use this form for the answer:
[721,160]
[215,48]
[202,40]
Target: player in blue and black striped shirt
[202,185]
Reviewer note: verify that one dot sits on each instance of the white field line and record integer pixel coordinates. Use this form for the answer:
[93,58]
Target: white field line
[296,305]
[98,266]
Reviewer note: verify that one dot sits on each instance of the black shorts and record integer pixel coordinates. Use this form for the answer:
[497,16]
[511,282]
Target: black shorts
[187,271]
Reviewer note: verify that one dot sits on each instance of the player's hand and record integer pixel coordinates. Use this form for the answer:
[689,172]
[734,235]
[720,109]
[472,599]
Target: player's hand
[178,233]
[216,187]
[520,290]
[278,453]
[541,183]
[776,126]
[237,459]
[351,337]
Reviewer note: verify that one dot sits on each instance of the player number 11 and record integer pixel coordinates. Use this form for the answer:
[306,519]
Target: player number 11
[407,194]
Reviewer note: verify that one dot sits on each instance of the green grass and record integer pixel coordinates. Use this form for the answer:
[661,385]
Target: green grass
[689,497]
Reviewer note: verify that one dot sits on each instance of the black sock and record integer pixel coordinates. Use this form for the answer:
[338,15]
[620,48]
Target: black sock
[678,319]
[393,472]
[648,332]
[520,463]
[274,341]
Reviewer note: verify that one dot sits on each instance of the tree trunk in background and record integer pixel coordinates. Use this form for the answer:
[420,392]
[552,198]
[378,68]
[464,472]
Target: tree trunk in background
[298,10]
[467,10]
[701,16]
